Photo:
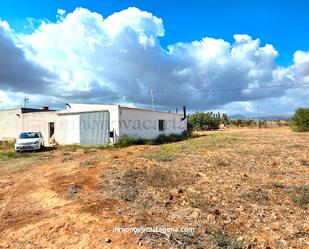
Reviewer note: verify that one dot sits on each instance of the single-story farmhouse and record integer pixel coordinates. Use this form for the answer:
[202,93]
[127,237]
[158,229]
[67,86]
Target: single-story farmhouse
[90,124]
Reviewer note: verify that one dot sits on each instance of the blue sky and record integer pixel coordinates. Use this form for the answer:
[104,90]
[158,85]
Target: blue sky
[107,52]
[284,24]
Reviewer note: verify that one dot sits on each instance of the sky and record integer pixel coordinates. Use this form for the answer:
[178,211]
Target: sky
[117,51]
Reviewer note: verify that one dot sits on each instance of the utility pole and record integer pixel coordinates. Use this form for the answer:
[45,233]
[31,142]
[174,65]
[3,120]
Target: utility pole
[26,101]
[258,115]
[152,99]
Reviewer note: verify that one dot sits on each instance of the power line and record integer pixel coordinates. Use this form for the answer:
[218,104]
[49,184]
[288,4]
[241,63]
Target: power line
[117,96]
[234,89]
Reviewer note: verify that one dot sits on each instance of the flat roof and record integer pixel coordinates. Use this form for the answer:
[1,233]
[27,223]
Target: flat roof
[67,112]
[27,110]
[148,110]
[127,107]
[78,112]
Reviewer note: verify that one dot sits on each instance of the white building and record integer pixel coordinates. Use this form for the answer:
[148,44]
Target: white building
[92,124]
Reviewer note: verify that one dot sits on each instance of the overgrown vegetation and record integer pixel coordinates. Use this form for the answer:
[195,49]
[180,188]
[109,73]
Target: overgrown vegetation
[202,121]
[10,154]
[163,154]
[126,141]
[300,120]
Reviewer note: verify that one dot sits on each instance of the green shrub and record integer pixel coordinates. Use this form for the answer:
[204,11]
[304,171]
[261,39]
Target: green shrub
[206,121]
[126,141]
[300,120]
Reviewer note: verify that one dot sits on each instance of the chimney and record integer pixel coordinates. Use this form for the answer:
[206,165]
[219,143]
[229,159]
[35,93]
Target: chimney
[45,108]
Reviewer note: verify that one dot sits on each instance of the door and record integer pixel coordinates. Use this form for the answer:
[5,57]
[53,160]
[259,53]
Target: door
[51,129]
[94,128]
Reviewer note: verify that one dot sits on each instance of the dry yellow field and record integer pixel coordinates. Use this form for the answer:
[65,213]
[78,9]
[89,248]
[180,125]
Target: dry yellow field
[238,188]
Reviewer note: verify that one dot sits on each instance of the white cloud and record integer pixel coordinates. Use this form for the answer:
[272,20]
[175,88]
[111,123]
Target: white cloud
[119,59]
[301,61]
[61,12]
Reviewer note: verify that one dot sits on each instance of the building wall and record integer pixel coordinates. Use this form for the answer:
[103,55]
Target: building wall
[123,121]
[94,128]
[38,121]
[145,123]
[113,115]
[10,124]
[67,129]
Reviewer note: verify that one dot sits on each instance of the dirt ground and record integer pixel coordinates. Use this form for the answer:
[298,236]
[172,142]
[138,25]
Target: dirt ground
[239,188]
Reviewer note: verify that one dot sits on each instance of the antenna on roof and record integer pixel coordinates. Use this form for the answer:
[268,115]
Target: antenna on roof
[26,101]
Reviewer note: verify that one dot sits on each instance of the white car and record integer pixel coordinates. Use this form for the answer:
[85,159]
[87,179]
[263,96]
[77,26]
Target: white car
[29,141]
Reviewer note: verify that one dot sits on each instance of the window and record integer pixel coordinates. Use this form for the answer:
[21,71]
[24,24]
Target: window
[161,125]
[29,135]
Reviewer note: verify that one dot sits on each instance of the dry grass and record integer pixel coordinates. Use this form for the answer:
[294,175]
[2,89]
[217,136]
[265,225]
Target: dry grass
[240,188]
[302,196]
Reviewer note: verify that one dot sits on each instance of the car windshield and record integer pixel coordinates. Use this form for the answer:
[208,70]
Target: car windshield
[29,135]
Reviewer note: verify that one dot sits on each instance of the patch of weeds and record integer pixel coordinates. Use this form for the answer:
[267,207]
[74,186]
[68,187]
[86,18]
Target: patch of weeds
[242,151]
[278,185]
[10,154]
[210,142]
[129,184]
[70,148]
[67,159]
[162,154]
[304,162]
[23,160]
[196,200]
[104,147]
[220,141]
[219,161]
[88,163]
[93,149]
[88,150]
[125,187]
[301,198]
[296,146]
[73,190]
[171,240]
[130,194]
[160,177]
[172,138]
[225,241]
[126,141]
[66,153]
[131,174]
[18,165]
[257,195]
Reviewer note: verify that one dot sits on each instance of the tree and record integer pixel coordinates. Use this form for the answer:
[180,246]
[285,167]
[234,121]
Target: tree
[300,120]
[205,121]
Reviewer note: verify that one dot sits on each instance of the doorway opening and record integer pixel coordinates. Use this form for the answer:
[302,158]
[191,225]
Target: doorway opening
[51,129]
